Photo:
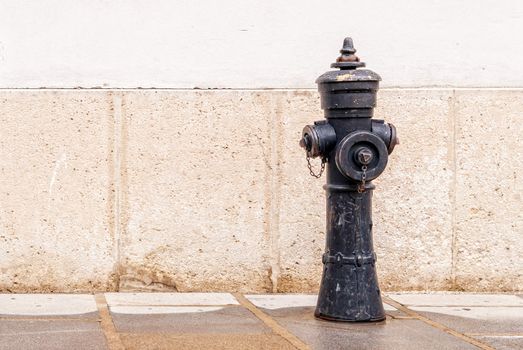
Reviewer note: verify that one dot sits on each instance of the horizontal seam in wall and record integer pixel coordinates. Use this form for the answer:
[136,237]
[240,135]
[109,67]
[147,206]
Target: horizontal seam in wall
[266,89]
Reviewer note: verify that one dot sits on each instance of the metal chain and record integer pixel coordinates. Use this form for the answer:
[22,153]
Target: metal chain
[361,185]
[322,169]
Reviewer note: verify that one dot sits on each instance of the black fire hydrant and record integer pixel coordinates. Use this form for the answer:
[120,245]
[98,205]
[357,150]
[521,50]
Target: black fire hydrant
[354,149]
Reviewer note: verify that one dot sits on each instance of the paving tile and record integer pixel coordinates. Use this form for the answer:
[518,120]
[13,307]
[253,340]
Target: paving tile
[114,299]
[503,342]
[227,319]
[476,319]
[392,334]
[48,305]
[397,334]
[278,301]
[45,334]
[152,310]
[461,299]
[205,341]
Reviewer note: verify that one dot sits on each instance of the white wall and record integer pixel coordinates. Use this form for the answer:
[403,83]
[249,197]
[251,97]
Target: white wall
[256,44]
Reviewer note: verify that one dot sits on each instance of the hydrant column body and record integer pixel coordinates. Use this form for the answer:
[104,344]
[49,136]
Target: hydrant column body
[354,149]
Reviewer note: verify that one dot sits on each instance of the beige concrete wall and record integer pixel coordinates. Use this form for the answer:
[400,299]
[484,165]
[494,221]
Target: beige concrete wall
[208,190]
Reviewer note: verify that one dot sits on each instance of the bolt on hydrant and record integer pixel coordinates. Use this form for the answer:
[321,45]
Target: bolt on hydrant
[354,150]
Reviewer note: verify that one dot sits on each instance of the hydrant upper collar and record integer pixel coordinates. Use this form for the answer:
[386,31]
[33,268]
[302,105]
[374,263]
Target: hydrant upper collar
[342,76]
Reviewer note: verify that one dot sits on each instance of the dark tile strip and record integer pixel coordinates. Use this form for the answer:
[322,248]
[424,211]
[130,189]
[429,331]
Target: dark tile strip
[271,323]
[113,339]
[437,325]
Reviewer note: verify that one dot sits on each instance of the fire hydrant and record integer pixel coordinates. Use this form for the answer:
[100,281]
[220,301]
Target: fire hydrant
[354,149]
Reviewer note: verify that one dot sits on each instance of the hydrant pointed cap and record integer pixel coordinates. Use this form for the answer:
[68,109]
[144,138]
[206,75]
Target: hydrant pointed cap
[348,59]
[348,46]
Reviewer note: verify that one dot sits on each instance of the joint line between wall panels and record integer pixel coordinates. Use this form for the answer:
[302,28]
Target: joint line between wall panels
[453,188]
[274,186]
[117,112]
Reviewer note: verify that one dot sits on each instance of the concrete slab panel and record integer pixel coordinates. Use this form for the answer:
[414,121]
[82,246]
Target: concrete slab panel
[57,198]
[195,169]
[489,190]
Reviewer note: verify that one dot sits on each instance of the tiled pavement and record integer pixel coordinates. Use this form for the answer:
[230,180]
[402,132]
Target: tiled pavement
[274,321]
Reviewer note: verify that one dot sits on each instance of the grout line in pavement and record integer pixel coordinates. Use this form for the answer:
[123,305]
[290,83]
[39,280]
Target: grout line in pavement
[401,317]
[271,323]
[437,325]
[113,339]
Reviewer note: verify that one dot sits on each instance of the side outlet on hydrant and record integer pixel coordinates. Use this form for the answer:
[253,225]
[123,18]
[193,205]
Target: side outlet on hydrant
[354,150]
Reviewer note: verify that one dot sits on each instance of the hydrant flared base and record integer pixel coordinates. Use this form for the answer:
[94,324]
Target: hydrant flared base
[336,319]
